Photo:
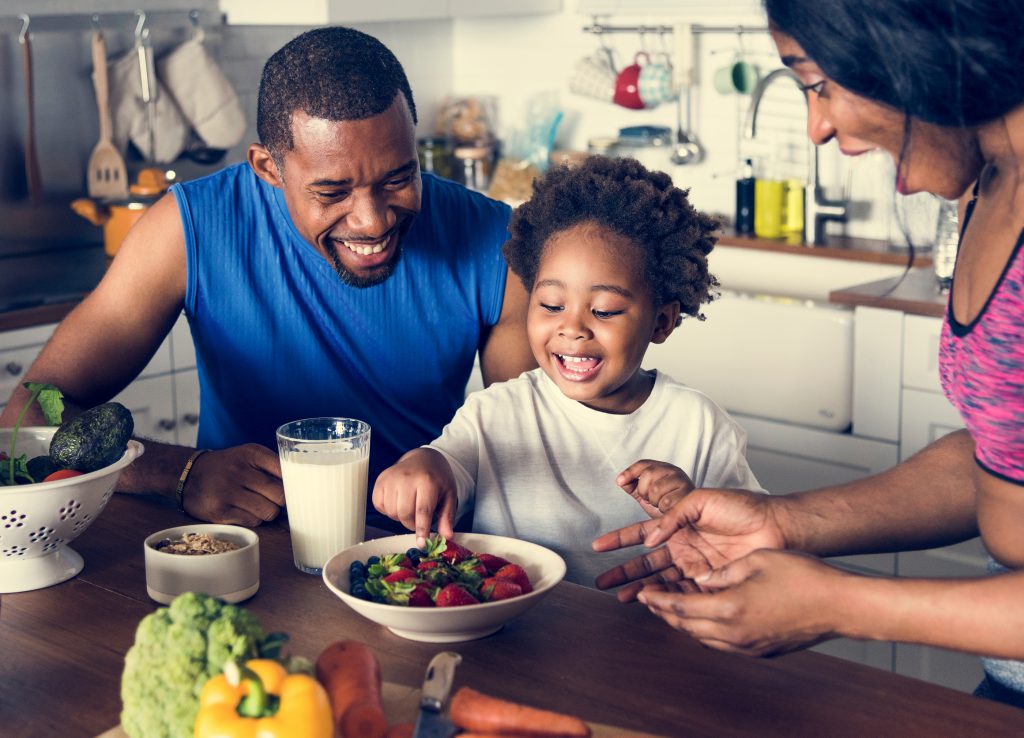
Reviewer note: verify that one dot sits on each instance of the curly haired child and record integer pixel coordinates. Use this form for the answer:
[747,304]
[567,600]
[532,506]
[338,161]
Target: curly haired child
[612,255]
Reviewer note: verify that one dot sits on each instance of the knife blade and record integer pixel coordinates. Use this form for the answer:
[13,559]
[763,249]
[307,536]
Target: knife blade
[431,723]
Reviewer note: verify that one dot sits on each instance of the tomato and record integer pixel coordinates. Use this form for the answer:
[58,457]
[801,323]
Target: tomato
[62,474]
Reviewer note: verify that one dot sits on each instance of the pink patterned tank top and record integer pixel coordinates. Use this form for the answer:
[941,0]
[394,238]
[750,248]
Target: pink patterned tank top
[981,367]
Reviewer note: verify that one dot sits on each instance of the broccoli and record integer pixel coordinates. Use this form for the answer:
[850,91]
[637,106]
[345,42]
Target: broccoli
[176,650]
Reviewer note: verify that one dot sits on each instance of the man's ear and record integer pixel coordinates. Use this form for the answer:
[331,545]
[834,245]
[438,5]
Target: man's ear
[264,166]
[666,321]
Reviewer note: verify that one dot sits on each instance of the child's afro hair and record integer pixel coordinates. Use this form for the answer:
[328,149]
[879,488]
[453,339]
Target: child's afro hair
[625,197]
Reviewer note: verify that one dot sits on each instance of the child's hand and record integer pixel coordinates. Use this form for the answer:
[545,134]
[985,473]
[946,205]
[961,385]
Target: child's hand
[656,485]
[411,490]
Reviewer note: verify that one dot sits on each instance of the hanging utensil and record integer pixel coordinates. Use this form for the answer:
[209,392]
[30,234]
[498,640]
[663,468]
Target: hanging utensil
[687,149]
[107,177]
[147,75]
[32,177]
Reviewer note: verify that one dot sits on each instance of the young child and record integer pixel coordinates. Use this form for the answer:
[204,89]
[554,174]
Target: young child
[611,254]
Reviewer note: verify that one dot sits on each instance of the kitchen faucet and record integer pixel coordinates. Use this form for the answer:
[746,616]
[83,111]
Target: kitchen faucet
[817,209]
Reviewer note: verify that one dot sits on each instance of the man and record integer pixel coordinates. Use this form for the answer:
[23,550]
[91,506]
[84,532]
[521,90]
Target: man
[325,277]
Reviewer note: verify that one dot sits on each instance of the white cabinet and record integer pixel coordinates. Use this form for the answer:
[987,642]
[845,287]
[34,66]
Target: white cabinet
[163,400]
[18,349]
[186,403]
[152,407]
[324,12]
[789,458]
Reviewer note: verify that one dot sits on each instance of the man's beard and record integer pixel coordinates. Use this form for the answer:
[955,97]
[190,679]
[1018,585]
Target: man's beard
[380,275]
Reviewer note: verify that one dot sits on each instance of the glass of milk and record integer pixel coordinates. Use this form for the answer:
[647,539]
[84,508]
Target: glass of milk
[324,463]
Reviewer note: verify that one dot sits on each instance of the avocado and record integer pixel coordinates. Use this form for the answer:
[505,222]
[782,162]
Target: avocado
[95,439]
[40,467]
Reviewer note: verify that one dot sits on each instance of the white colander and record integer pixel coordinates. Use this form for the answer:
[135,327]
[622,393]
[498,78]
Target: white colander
[37,521]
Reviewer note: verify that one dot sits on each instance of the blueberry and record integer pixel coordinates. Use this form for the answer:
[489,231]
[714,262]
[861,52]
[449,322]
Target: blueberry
[373,560]
[359,590]
[357,569]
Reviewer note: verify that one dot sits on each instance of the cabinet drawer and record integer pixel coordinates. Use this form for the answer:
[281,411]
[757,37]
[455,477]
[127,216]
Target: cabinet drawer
[921,353]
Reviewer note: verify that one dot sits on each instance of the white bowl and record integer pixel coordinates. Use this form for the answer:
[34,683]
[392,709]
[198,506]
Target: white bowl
[232,576]
[37,521]
[449,624]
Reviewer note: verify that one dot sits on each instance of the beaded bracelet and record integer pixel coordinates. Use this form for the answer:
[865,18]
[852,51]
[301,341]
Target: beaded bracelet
[179,492]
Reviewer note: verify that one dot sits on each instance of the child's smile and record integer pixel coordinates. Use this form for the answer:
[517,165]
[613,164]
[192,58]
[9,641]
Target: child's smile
[578,368]
[592,316]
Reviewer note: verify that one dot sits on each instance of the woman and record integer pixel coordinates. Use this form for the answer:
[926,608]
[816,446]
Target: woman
[937,84]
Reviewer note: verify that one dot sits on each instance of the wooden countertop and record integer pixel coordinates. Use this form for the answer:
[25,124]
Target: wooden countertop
[577,651]
[916,293]
[835,247]
[43,287]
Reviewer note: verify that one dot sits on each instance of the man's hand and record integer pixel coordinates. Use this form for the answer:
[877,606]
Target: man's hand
[767,603]
[411,490]
[239,485]
[656,485]
[704,530]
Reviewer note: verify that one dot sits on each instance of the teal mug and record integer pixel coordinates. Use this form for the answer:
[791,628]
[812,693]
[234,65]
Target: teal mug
[737,77]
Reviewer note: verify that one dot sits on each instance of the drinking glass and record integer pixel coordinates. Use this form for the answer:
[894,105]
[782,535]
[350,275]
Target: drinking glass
[324,466]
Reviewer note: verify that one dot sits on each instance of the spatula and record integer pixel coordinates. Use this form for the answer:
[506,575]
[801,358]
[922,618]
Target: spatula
[107,177]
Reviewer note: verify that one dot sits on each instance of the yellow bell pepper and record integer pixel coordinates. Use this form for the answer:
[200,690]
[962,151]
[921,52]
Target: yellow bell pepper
[262,700]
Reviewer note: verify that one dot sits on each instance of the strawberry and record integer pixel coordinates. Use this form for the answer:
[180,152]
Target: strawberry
[420,596]
[436,572]
[499,588]
[454,553]
[396,561]
[491,563]
[472,567]
[400,575]
[516,574]
[453,595]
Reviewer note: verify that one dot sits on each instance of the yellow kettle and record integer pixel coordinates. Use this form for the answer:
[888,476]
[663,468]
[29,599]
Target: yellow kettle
[118,216]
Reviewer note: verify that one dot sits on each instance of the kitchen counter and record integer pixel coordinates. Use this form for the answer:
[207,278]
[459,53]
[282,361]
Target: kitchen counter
[578,650]
[916,293]
[835,247]
[43,286]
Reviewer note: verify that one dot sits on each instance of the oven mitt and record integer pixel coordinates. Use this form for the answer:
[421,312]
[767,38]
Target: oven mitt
[131,119]
[204,94]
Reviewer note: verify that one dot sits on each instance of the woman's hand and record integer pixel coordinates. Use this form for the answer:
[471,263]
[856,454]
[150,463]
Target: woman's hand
[417,485]
[704,530]
[656,485]
[767,603]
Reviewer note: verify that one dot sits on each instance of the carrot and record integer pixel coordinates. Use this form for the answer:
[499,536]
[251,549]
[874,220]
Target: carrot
[401,730]
[480,713]
[350,673]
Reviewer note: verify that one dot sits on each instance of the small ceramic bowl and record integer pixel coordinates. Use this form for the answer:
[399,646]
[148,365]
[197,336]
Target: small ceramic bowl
[232,576]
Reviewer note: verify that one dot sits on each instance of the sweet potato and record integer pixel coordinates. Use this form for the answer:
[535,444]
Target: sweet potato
[350,673]
[480,713]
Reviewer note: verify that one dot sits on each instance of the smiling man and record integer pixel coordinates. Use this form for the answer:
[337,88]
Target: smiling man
[324,276]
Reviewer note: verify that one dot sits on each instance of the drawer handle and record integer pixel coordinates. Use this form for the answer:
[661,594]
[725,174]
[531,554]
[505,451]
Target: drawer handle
[190,418]
[14,368]
[165,424]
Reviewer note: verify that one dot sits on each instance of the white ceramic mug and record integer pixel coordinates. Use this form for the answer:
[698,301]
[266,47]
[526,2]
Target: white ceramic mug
[594,76]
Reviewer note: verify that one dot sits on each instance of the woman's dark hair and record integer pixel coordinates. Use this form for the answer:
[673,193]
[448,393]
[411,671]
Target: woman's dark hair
[332,73]
[642,206]
[947,62]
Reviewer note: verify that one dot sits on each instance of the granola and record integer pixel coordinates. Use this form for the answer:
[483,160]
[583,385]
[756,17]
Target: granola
[195,544]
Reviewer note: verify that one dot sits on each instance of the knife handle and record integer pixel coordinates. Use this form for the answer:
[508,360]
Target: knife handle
[438,681]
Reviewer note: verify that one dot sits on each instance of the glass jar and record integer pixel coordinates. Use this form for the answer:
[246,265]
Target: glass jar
[947,242]
[435,155]
[475,166]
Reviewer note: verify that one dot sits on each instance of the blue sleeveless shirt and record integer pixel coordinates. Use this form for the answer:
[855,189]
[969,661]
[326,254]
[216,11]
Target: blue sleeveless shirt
[279,336]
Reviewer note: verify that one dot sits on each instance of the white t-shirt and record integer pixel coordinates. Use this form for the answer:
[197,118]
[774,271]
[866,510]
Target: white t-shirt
[538,466]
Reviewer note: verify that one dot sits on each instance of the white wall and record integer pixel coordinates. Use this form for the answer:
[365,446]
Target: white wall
[517,58]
